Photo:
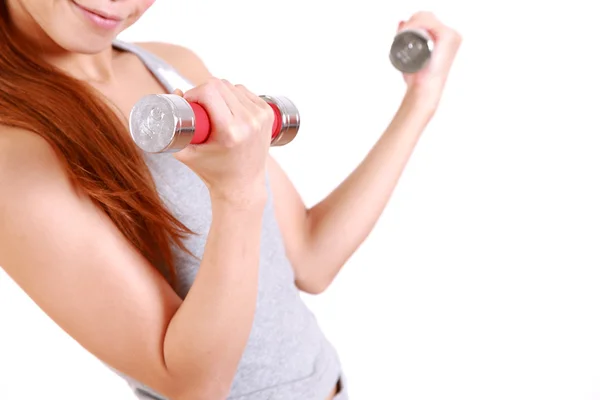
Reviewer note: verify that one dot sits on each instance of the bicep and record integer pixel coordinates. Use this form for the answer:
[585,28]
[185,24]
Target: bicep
[74,263]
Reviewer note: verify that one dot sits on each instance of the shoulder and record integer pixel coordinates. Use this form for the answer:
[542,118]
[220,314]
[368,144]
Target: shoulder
[184,59]
[28,162]
[23,148]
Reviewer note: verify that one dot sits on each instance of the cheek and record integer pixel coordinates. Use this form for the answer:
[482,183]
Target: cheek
[146,4]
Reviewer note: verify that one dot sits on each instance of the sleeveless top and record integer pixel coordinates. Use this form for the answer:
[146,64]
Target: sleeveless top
[287,357]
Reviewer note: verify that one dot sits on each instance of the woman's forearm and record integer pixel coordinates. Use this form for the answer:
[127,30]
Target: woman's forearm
[207,336]
[343,220]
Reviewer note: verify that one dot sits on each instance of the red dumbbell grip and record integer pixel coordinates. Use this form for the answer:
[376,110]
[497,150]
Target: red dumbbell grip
[202,124]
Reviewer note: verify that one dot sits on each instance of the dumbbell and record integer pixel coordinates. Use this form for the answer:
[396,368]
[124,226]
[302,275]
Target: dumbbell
[161,123]
[411,50]
[167,123]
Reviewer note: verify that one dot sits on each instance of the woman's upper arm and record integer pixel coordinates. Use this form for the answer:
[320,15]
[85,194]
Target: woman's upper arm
[73,262]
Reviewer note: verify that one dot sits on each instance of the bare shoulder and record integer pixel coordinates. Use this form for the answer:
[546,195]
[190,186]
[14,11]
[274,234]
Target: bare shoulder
[13,138]
[26,157]
[33,171]
[184,59]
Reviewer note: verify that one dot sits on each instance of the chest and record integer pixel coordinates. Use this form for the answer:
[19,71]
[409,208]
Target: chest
[132,82]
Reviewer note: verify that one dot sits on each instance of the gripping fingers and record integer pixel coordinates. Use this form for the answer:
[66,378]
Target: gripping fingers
[209,96]
[264,112]
[429,21]
[230,96]
[244,101]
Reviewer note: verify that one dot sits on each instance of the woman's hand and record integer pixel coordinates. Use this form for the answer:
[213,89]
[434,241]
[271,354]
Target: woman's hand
[426,86]
[232,163]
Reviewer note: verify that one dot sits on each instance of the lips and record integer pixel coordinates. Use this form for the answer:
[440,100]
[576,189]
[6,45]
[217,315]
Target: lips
[99,13]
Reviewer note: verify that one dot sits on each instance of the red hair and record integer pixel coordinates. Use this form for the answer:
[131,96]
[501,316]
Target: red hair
[93,143]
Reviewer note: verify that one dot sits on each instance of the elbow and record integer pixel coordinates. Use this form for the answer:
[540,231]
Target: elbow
[199,384]
[200,395]
[208,391]
[315,283]
[313,289]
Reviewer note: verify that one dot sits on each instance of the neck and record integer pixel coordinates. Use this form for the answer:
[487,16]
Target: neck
[94,68]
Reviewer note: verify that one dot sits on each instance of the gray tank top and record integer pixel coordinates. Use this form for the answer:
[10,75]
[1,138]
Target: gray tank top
[287,357]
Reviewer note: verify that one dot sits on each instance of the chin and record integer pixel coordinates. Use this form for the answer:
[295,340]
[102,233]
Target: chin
[84,44]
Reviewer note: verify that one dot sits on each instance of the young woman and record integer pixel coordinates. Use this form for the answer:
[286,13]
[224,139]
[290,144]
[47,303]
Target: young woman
[182,273]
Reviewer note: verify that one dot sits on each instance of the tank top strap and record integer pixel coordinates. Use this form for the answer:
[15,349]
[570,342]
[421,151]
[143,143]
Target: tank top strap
[164,72]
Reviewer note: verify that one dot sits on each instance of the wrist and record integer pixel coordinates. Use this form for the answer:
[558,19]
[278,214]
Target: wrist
[421,101]
[414,114]
[245,196]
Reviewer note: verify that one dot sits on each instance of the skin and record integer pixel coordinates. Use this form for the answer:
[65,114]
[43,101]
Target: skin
[145,329]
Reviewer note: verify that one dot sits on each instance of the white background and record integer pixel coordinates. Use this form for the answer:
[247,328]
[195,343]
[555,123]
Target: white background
[481,280]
